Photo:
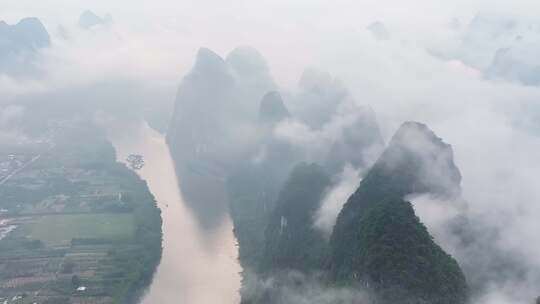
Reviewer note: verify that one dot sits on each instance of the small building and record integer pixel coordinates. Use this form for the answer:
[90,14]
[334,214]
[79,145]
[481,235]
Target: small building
[81,288]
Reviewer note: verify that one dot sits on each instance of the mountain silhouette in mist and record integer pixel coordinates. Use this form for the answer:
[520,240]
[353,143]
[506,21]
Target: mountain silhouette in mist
[292,242]
[229,157]
[89,19]
[272,109]
[379,243]
[213,125]
[20,43]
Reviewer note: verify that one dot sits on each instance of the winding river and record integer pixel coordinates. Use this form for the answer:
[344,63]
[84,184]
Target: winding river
[197,266]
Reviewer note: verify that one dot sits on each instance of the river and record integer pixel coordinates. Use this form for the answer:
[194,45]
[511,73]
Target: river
[197,266]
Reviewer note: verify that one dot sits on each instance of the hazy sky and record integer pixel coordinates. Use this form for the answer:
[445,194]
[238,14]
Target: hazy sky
[291,34]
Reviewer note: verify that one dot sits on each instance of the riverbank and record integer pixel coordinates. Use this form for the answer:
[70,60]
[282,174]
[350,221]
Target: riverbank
[76,226]
[197,266]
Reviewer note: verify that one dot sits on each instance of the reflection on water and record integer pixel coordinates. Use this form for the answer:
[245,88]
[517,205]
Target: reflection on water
[203,190]
[197,266]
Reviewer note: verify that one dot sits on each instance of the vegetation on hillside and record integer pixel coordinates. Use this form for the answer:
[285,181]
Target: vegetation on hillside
[291,241]
[398,259]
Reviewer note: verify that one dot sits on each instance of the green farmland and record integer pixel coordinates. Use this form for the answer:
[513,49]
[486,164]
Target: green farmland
[81,227]
[62,228]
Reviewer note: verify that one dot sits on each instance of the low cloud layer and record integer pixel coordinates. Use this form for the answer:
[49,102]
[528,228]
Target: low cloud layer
[294,287]
[334,200]
[491,122]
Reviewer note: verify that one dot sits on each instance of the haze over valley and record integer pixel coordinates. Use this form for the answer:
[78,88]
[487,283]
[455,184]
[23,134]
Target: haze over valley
[269,152]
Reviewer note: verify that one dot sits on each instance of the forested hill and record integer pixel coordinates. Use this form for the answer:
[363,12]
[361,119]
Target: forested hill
[379,242]
[291,239]
[233,139]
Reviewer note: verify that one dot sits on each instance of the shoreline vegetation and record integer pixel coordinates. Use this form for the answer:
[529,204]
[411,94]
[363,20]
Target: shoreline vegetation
[88,230]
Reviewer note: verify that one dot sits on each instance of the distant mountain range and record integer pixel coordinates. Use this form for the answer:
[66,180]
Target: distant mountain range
[89,19]
[229,154]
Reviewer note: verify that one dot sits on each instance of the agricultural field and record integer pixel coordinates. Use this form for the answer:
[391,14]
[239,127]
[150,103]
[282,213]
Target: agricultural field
[61,229]
[75,225]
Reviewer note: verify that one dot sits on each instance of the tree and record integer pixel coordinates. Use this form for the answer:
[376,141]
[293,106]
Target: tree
[75,281]
[68,267]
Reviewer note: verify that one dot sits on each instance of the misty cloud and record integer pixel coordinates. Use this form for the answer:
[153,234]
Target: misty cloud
[502,46]
[334,200]
[89,19]
[295,287]
[10,113]
[379,31]
[492,125]
[329,126]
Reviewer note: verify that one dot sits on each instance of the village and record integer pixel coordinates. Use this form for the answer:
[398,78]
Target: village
[65,222]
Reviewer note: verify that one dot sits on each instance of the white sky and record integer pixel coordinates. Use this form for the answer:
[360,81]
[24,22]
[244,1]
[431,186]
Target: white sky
[291,34]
